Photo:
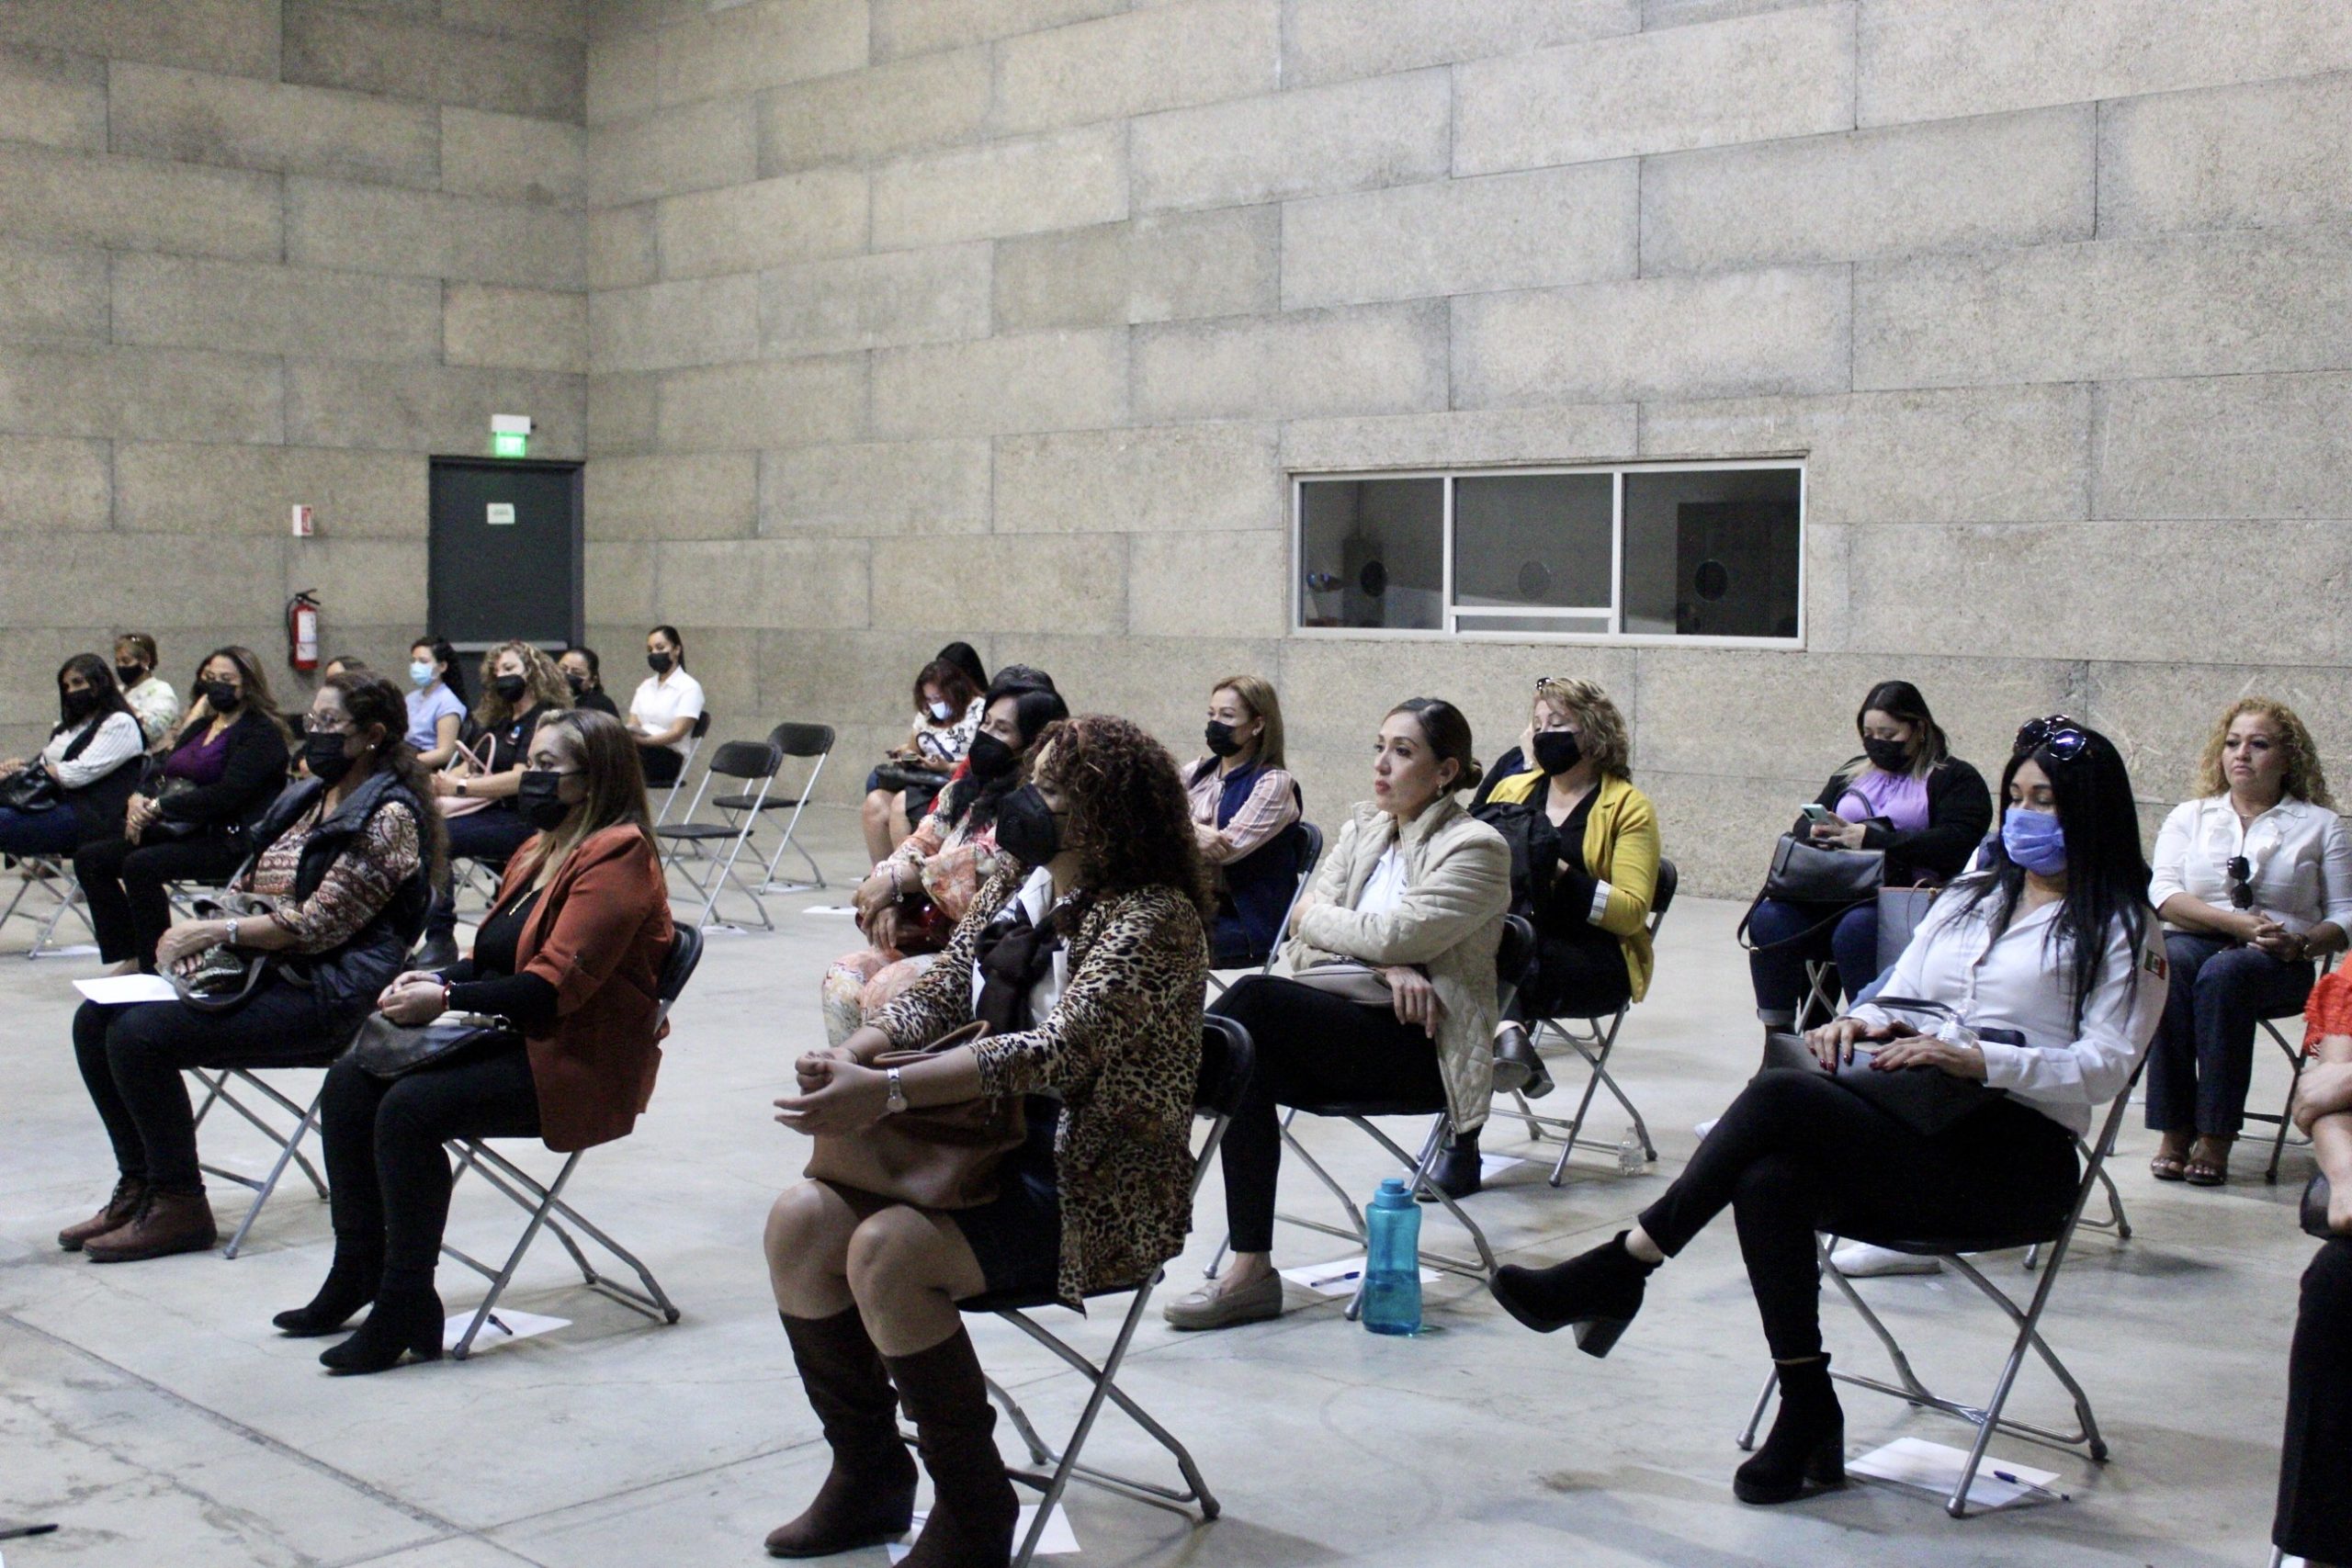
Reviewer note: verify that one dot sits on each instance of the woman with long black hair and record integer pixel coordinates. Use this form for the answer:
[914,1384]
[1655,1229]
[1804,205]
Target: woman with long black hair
[73,789]
[2052,943]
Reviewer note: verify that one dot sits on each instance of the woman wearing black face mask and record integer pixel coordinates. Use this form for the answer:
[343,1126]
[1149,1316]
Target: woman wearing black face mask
[663,713]
[1907,794]
[585,673]
[74,790]
[190,817]
[150,695]
[1243,801]
[1584,846]
[520,686]
[571,953]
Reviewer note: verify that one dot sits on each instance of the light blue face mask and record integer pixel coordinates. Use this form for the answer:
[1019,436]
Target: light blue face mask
[421,673]
[2035,841]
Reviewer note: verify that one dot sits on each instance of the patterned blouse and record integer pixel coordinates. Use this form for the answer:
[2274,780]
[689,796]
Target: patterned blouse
[2328,1010]
[356,887]
[950,864]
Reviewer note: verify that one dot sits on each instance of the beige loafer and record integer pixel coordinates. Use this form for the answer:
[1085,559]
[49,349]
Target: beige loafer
[1210,1307]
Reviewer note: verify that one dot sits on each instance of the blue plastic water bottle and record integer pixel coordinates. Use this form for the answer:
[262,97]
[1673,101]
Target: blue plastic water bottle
[1392,1269]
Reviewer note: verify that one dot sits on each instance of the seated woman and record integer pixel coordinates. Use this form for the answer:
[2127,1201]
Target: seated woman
[661,714]
[81,782]
[1243,802]
[916,897]
[1907,794]
[192,822]
[150,695]
[344,857]
[1584,854]
[2314,1519]
[570,954]
[436,705]
[519,688]
[1417,889]
[2253,880]
[1085,957]
[947,714]
[585,673]
[2052,940]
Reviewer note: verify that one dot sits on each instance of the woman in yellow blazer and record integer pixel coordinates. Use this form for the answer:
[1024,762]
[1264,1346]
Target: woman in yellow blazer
[1584,849]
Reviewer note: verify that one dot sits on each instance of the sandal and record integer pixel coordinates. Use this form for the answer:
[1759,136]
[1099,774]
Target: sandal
[2209,1168]
[2168,1167]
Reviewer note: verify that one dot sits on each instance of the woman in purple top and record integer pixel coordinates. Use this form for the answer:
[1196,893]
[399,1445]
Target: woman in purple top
[1906,794]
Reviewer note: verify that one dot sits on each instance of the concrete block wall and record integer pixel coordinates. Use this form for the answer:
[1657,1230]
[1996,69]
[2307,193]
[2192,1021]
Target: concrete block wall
[256,253]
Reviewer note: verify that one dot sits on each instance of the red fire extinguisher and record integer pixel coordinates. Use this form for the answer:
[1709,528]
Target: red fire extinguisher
[302,630]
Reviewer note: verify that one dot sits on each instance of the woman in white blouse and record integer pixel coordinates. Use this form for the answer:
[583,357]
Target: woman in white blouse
[663,713]
[2045,967]
[2253,880]
[90,767]
[153,702]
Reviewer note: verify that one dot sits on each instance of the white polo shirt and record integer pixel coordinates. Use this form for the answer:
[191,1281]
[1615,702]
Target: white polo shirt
[663,700]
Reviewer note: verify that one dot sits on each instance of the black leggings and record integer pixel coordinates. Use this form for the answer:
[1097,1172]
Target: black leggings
[2314,1517]
[132,1058]
[386,1166]
[1313,1046]
[124,884]
[1797,1154]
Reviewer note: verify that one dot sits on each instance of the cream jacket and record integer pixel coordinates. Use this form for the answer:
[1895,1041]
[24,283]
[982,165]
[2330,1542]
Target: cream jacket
[1457,890]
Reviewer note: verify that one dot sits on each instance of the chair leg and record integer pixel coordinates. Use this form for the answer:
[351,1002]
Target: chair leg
[286,1155]
[2286,1115]
[514,1259]
[216,1086]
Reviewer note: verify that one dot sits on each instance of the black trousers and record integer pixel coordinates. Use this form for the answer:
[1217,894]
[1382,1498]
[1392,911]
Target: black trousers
[491,837]
[2314,1517]
[1315,1047]
[132,1058]
[1797,1154]
[661,765]
[1573,977]
[124,882]
[386,1166]
[2201,1061]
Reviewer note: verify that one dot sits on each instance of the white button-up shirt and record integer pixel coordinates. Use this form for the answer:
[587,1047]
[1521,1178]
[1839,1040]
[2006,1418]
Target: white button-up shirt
[2300,853]
[1035,898]
[2017,981]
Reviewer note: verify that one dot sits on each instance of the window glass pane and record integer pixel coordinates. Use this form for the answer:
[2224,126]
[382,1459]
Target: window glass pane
[1531,540]
[1371,553]
[1536,626]
[1712,553]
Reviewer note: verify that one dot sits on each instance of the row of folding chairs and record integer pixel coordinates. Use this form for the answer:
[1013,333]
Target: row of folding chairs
[49,881]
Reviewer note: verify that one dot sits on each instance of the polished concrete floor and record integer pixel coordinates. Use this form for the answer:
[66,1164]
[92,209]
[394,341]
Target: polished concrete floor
[150,1411]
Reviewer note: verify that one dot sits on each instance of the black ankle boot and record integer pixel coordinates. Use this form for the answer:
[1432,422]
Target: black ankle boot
[351,1283]
[1806,1449]
[405,1321]
[1459,1171]
[1597,1292]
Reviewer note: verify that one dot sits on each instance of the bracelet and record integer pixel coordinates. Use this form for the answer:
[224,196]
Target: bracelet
[445,995]
[232,930]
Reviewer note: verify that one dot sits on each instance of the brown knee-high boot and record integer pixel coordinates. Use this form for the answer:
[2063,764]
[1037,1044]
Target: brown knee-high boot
[973,1509]
[869,1498]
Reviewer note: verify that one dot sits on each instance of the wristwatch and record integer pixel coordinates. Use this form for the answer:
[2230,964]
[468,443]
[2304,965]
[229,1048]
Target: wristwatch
[898,1097]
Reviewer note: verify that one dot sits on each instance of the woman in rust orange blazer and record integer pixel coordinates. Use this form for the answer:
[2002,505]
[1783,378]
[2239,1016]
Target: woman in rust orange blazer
[570,955]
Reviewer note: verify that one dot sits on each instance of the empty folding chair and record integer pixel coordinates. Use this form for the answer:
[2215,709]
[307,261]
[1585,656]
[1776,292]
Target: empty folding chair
[1988,1418]
[750,762]
[805,740]
[1226,1059]
[1310,853]
[669,793]
[544,1201]
[218,1090]
[53,875]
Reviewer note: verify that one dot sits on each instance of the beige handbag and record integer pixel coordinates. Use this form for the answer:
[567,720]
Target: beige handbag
[941,1157]
[1346,978]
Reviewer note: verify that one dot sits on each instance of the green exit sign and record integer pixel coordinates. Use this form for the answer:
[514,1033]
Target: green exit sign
[505,446]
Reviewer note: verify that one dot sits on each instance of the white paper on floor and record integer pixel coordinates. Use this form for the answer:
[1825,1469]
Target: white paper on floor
[831,910]
[118,990]
[1338,1277]
[1059,1539]
[505,1324]
[1492,1166]
[1932,1467]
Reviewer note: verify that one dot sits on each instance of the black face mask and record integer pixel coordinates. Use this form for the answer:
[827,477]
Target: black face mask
[130,675]
[1221,741]
[991,759]
[577,681]
[1026,828]
[220,695]
[1557,750]
[324,755]
[1887,756]
[510,688]
[658,663]
[77,705]
[538,799]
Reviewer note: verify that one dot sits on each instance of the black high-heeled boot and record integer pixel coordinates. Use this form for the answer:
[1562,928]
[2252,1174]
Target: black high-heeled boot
[405,1321]
[352,1282]
[1806,1449]
[1598,1292]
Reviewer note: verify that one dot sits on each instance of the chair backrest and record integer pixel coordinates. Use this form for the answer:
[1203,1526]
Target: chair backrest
[1227,1060]
[685,952]
[1662,894]
[1310,855]
[801,740]
[747,760]
[1517,949]
[702,725]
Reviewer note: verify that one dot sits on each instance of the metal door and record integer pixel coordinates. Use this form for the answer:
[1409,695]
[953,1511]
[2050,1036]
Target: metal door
[506,559]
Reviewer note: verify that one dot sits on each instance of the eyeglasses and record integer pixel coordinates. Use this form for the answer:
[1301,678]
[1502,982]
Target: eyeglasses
[2061,737]
[2240,872]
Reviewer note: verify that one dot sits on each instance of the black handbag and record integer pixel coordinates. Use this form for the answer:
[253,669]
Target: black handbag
[383,1049]
[1806,873]
[222,979]
[32,788]
[1927,1099]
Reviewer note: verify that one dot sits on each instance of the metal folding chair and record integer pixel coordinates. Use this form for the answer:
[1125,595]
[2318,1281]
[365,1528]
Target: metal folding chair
[53,874]
[1227,1060]
[790,740]
[544,1201]
[2285,1119]
[753,762]
[217,1082]
[1310,854]
[1593,1043]
[1988,1418]
[670,792]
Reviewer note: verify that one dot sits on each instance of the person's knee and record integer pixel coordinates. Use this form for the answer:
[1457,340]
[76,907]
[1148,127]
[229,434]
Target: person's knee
[411,1115]
[890,1253]
[140,1039]
[1245,1002]
[2327,1286]
[800,1224]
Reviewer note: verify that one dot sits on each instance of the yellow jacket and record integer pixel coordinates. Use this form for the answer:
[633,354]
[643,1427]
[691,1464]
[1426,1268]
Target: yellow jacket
[1620,851]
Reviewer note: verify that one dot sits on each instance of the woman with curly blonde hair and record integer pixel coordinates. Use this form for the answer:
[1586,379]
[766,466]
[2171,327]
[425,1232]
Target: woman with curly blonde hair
[2253,880]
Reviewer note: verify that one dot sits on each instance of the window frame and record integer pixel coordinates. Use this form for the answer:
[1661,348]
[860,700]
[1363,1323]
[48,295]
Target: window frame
[1616,637]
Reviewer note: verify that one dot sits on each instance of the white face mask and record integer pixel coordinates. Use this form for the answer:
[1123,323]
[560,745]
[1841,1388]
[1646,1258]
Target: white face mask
[421,673]
[942,712]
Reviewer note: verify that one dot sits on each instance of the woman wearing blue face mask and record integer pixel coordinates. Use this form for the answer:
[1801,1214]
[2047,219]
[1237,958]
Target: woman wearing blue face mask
[2050,942]
[437,701]
[947,714]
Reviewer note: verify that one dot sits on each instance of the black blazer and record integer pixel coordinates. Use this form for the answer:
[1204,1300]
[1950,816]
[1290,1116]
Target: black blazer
[249,783]
[1960,813]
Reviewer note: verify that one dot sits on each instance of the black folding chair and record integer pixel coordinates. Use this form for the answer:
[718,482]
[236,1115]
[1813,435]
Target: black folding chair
[1227,1061]
[791,740]
[1310,855]
[218,1090]
[544,1201]
[670,791]
[750,762]
[53,874]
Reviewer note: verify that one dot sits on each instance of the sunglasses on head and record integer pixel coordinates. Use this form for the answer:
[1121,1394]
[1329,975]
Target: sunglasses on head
[2241,875]
[2061,737]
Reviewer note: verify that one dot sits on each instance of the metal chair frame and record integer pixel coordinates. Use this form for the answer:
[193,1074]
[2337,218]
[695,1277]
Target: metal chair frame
[543,1201]
[668,792]
[791,739]
[1988,1418]
[216,1082]
[53,874]
[1053,1471]
[735,833]
[2285,1119]
[1307,862]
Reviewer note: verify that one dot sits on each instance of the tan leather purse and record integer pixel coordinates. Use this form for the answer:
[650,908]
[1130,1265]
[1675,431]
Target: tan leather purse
[937,1156]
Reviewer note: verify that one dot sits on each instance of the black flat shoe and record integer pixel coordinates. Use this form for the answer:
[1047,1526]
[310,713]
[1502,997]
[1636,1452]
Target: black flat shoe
[1595,1293]
[1806,1450]
[401,1326]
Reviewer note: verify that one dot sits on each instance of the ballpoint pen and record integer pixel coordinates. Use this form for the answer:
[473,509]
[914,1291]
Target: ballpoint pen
[1335,1279]
[2032,1486]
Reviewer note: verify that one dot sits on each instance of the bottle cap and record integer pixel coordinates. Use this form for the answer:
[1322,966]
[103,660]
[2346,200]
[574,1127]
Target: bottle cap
[1392,1194]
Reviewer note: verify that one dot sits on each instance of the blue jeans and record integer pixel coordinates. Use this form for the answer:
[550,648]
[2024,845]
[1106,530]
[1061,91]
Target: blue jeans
[2202,1058]
[1788,936]
[51,832]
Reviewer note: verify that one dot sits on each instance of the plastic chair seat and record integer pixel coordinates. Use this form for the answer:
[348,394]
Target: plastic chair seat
[695,831]
[1375,1108]
[1989,1241]
[753,803]
[1026,1301]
